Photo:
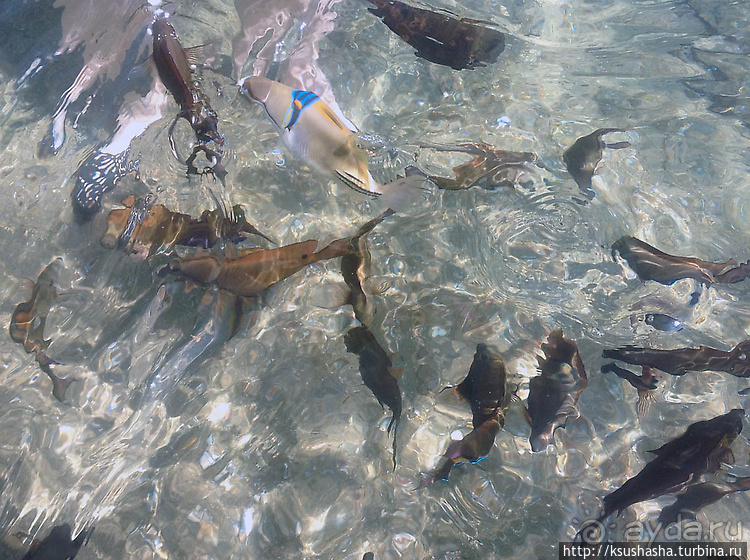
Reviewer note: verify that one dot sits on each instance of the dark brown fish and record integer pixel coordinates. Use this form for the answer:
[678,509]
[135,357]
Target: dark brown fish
[489,167]
[553,395]
[173,65]
[701,449]
[153,229]
[682,360]
[377,373]
[651,264]
[485,387]
[440,38]
[698,496]
[644,384]
[58,545]
[355,265]
[28,322]
[255,269]
[585,154]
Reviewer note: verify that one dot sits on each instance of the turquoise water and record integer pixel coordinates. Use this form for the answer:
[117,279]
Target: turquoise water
[176,443]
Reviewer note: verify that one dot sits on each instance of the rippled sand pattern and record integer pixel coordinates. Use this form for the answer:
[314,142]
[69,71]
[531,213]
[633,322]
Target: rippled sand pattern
[177,443]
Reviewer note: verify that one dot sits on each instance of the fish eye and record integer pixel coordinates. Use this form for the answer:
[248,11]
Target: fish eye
[743,356]
[304,257]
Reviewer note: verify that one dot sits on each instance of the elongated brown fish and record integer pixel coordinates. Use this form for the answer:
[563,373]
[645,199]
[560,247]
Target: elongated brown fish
[698,496]
[173,65]
[377,373]
[485,389]
[682,360]
[651,264]
[488,168]
[701,449]
[256,269]
[152,229]
[553,395]
[28,322]
[644,384]
[355,265]
[585,154]
[441,38]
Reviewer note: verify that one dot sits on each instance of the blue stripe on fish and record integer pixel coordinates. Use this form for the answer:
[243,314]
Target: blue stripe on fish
[300,100]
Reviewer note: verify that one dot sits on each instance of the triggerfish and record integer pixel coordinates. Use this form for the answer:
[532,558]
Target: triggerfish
[585,154]
[378,374]
[678,464]
[485,389]
[553,395]
[313,131]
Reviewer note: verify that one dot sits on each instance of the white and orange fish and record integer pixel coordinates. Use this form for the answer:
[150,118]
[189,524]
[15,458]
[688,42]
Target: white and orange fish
[313,131]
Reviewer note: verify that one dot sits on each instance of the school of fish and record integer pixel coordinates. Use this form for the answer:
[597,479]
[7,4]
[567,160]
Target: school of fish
[685,467]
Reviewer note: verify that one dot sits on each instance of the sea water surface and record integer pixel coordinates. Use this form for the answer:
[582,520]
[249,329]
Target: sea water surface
[177,443]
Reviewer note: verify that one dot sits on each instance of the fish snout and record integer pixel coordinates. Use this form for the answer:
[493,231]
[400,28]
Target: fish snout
[540,441]
[256,88]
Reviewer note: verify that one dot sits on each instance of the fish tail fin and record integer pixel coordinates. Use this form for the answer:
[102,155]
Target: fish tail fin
[411,195]
[59,385]
[394,424]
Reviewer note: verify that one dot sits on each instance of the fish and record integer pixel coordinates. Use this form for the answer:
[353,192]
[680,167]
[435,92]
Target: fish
[680,361]
[444,39]
[59,544]
[378,374]
[147,229]
[680,461]
[355,264]
[664,323]
[29,319]
[649,263]
[98,173]
[472,448]
[488,168]
[585,154]
[485,387]
[312,130]
[698,496]
[255,269]
[173,66]
[553,395]
[644,384]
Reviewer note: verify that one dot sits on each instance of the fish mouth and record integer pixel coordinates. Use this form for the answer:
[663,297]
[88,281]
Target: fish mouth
[540,442]
[255,88]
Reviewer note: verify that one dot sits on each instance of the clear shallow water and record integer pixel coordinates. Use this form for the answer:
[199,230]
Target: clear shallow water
[177,445]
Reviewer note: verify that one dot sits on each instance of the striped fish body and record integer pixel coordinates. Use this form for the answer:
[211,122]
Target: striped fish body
[98,173]
[313,131]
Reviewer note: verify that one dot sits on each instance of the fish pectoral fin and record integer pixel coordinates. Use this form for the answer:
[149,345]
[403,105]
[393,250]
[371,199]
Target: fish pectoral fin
[198,54]
[397,372]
